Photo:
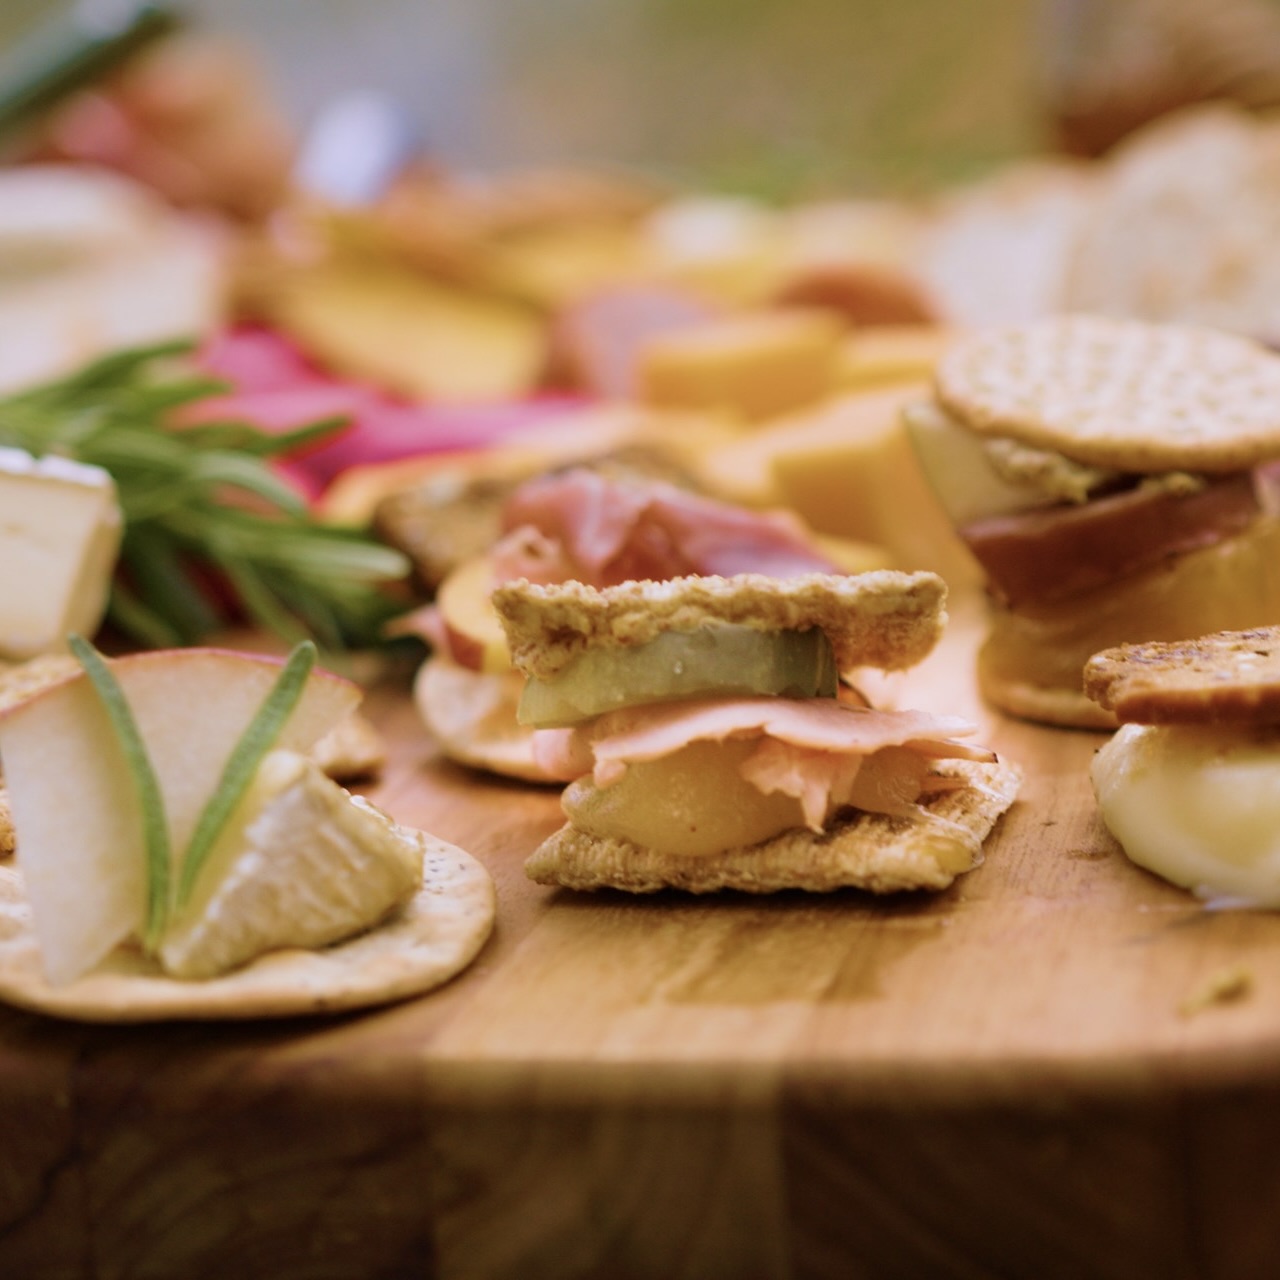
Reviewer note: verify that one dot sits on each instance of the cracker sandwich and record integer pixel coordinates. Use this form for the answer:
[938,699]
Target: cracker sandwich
[1111,477]
[701,726]
[1188,784]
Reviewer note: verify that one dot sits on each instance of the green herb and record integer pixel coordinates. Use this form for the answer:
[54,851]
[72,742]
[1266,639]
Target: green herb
[155,824]
[243,762]
[209,526]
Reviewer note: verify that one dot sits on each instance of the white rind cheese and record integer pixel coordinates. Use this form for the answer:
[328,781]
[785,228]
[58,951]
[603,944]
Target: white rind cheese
[301,864]
[60,530]
[1198,805]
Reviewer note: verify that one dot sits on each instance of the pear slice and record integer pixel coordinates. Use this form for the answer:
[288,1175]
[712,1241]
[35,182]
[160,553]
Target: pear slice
[300,863]
[78,821]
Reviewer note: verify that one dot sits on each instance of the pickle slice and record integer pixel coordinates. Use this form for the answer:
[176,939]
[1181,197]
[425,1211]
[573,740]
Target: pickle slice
[726,660]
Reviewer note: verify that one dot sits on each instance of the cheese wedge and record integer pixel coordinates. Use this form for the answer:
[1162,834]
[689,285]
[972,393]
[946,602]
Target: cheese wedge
[301,863]
[75,808]
[60,529]
[1198,805]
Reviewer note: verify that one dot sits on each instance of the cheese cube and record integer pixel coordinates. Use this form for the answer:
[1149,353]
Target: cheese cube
[850,470]
[757,365]
[60,530]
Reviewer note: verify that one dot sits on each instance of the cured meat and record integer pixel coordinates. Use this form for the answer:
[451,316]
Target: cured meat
[610,532]
[809,748]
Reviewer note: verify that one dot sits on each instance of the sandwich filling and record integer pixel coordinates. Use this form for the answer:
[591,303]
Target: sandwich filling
[702,775]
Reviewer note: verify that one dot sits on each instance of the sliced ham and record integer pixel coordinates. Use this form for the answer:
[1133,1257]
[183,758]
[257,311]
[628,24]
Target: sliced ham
[612,531]
[810,748]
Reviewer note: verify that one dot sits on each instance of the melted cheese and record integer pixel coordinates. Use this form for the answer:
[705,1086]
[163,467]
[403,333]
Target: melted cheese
[1198,805]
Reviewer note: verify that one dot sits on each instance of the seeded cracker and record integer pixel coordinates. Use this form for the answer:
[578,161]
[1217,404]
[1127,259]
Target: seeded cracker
[424,944]
[1119,393]
[1230,677]
[883,619]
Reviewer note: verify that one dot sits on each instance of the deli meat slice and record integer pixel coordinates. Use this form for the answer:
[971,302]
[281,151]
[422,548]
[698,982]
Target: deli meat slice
[612,531]
[810,748]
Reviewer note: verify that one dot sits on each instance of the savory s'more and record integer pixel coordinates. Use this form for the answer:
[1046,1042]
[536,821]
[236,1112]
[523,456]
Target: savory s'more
[1190,783]
[1110,478]
[700,725]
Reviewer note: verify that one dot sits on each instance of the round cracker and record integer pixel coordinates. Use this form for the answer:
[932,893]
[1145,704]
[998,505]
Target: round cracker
[1229,677]
[472,717]
[1119,393]
[424,944]
[1042,704]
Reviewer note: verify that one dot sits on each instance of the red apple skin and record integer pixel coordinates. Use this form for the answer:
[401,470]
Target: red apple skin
[1052,553]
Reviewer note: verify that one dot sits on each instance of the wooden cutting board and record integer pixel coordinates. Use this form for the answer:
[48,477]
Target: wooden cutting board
[1061,1067]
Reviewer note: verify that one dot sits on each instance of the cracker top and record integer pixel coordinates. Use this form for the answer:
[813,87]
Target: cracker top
[1119,393]
[882,619]
[1230,677]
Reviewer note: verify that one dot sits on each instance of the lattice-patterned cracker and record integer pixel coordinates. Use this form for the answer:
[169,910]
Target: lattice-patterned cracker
[881,619]
[864,851]
[1119,393]
[1230,677]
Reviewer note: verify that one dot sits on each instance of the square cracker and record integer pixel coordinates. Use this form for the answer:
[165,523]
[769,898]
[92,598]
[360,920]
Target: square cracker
[865,851]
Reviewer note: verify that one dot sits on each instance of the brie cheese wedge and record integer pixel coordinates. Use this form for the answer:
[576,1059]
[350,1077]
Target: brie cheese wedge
[60,531]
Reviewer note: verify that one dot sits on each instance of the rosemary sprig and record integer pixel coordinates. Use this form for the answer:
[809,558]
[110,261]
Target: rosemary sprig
[209,526]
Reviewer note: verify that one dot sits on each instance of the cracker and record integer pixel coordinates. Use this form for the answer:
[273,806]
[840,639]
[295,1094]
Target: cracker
[1119,393]
[353,751]
[1155,243]
[1042,704]
[883,619]
[472,717]
[1229,677]
[865,851]
[424,944]
[19,680]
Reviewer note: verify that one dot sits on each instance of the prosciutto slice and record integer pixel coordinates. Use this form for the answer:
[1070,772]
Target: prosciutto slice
[604,531]
[809,748]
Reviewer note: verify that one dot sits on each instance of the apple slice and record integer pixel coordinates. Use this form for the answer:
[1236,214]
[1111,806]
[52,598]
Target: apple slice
[955,463]
[475,635]
[74,802]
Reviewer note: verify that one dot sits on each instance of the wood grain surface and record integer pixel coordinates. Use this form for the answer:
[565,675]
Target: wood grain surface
[1020,1077]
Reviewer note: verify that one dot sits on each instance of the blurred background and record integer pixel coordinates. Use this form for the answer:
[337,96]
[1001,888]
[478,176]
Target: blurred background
[770,97]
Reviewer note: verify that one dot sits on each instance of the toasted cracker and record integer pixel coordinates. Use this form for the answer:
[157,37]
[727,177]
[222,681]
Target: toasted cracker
[472,717]
[352,751]
[865,851]
[1229,677]
[8,841]
[1119,393]
[19,680]
[427,942]
[883,619]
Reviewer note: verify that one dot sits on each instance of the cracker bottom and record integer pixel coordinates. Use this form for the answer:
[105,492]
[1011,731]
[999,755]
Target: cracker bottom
[866,851]
[1043,704]
[422,945]
[472,717]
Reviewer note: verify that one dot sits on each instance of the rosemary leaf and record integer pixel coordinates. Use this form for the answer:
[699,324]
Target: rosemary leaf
[243,763]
